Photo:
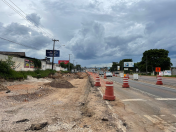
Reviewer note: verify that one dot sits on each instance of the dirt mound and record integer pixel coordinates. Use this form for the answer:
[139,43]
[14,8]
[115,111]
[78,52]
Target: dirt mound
[60,83]
[3,88]
[68,76]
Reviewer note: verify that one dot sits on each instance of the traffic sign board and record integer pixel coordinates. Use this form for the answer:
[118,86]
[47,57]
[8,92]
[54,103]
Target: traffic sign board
[157,69]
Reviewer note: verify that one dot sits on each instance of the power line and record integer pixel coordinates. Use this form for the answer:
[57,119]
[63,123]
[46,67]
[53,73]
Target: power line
[18,43]
[30,17]
[21,14]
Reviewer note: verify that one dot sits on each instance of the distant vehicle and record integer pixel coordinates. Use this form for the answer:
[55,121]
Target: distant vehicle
[101,73]
[116,73]
[108,74]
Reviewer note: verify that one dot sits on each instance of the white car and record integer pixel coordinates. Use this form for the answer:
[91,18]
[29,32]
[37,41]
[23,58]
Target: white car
[108,74]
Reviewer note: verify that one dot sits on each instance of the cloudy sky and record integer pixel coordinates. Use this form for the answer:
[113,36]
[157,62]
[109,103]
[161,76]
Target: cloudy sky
[95,32]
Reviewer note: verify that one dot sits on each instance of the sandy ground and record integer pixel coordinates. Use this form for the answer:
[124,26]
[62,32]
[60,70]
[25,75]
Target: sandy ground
[33,105]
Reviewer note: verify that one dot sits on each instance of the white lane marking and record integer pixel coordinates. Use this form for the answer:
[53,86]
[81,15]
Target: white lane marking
[174,115]
[134,100]
[161,120]
[165,98]
[108,105]
[119,122]
[151,119]
[160,123]
[162,115]
[100,92]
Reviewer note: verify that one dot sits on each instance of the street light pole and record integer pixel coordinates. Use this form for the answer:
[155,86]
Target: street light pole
[69,62]
[53,51]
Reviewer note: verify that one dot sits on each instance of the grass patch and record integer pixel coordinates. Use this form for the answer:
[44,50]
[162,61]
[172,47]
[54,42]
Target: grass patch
[16,75]
[169,76]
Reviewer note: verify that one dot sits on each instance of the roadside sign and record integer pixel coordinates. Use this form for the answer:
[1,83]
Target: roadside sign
[128,64]
[167,72]
[157,69]
[125,68]
[65,61]
[49,53]
[118,68]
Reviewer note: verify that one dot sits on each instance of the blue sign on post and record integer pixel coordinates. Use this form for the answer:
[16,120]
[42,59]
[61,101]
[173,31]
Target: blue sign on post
[49,53]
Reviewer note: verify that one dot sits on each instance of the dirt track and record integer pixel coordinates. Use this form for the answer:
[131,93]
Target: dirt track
[80,108]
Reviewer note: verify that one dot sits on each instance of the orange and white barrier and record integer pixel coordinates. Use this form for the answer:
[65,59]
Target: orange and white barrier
[125,82]
[97,83]
[109,91]
[159,80]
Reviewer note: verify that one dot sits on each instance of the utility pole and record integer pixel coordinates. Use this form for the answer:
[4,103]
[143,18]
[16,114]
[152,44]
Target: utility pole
[76,66]
[73,65]
[69,62]
[53,51]
[146,64]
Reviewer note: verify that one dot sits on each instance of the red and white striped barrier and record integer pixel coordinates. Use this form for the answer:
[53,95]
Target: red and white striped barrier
[109,91]
[125,82]
[159,80]
[97,83]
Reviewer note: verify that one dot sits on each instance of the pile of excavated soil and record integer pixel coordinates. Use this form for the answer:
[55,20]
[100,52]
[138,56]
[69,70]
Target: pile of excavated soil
[3,88]
[60,83]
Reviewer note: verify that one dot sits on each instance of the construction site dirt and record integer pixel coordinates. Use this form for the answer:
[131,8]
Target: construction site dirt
[48,104]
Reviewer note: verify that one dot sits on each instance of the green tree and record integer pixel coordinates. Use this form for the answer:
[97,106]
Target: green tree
[63,65]
[114,66]
[9,62]
[78,67]
[155,58]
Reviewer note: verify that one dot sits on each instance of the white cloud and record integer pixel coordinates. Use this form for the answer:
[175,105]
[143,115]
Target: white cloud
[96,32]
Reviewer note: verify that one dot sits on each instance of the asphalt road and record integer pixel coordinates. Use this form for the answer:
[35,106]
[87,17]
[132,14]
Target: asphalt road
[166,80]
[152,107]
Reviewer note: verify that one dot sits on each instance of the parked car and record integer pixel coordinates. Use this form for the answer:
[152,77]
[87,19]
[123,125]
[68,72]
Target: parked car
[116,73]
[108,74]
[101,73]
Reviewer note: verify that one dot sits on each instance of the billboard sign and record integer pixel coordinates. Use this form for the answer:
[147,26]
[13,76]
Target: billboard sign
[161,73]
[167,72]
[49,53]
[26,63]
[65,61]
[31,64]
[118,68]
[128,64]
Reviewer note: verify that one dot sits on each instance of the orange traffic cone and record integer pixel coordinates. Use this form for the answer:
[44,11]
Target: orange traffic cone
[125,82]
[109,92]
[159,80]
[97,84]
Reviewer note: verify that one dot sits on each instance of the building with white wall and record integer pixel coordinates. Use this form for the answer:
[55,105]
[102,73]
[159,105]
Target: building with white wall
[23,63]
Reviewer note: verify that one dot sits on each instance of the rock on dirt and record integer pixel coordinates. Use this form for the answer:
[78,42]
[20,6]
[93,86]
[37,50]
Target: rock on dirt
[23,120]
[37,126]
[60,83]
[3,88]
